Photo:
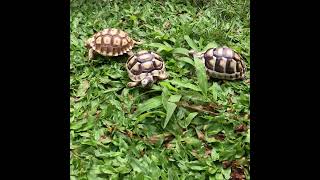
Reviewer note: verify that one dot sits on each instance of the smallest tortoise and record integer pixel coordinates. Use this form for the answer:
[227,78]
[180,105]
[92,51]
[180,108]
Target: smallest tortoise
[145,67]
[222,63]
[109,42]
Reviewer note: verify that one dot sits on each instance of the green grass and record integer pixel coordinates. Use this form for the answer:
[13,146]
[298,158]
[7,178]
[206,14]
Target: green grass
[186,127]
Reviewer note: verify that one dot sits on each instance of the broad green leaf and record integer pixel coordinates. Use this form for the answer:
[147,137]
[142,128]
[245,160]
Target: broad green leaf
[191,43]
[214,155]
[175,98]
[212,170]
[201,75]
[185,123]
[77,125]
[89,142]
[191,140]
[185,85]
[107,169]
[219,176]
[214,95]
[172,175]
[211,140]
[186,59]
[181,51]
[226,173]
[172,39]
[155,45]
[94,172]
[198,168]
[149,114]
[165,96]
[247,139]
[123,145]
[161,47]
[83,87]
[167,44]
[215,89]
[171,107]
[116,104]
[85,134]
[139,176]
[108,154]
[122,170]
[168,85]
[111,90]
[90,123]
[133,17]
[136,165]
[200,42]
[149,104]
[210,45]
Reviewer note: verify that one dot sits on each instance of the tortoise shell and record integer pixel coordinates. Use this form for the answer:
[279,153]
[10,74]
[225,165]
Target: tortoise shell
[110,42]
[144,63]
[224,63]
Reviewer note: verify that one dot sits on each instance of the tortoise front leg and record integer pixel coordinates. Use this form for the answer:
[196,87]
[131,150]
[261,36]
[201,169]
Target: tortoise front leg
[91,53]
[163,76]
[130,53]
[133,83]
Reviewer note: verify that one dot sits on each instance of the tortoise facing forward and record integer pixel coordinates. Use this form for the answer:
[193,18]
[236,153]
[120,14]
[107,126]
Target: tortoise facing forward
[145,67]
[109,42]
[222,63]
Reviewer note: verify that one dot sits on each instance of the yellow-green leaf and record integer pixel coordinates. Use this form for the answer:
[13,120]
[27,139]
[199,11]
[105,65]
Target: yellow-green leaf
[171,107]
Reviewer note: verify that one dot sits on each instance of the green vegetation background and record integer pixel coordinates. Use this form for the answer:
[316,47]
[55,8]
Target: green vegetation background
[186,127]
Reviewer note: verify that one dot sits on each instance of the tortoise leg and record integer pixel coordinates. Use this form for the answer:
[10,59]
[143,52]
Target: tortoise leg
[130,53]
[133,83]
[162,76]
[137,42]
[91,53]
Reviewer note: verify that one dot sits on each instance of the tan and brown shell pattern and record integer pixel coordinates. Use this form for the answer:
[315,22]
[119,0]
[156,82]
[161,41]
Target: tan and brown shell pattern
[144,63]
[111,42]
[224,63]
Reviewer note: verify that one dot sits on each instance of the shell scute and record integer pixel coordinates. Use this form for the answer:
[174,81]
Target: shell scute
[224,63]
[111,42]
[147,64]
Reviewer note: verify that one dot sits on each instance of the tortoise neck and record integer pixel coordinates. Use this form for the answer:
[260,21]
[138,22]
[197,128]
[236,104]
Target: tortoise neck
[130,53]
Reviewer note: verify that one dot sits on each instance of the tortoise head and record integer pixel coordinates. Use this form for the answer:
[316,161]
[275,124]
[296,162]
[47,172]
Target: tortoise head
[147,81]
[88,41]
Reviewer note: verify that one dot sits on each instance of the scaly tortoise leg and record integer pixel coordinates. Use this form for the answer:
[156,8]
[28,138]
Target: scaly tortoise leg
[163,76]
[91,53]
[130,53]
[138,42]
[133,83]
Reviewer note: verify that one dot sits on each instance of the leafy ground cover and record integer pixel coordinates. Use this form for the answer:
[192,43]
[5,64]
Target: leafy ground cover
[186,127]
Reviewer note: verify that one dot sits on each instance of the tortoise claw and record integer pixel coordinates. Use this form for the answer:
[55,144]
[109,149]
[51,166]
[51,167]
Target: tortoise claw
[133,83]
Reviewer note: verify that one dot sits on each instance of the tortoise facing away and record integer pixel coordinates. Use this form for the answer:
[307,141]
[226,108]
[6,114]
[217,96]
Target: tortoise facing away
[222,63]
[145,67]
[109,42]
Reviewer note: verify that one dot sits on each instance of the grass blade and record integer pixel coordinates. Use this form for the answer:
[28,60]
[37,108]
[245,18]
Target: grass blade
[201,76]
[191,43]
[210,45]
[171,107]
[149,104]
[161,47]
[168,85]
[185,85]
[187,121]
[83,87]
[182,51]
[175,98]
[187,60]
